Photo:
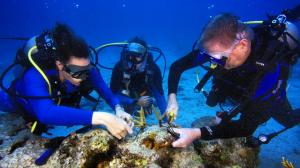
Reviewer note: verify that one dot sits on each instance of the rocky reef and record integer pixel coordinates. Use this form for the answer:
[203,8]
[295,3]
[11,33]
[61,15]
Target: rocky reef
[224,152]
[18,147]
[97,148]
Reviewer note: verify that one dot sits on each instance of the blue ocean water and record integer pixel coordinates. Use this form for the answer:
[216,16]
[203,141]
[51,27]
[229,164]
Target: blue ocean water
[172,26]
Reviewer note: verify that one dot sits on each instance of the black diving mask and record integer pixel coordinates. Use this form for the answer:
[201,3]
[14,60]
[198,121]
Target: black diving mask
[78,72]
[135,58]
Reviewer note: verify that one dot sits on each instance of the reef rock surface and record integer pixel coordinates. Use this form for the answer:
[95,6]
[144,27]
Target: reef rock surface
[224,152]
[97,148]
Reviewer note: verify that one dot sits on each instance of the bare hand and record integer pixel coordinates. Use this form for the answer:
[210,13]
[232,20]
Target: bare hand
[115,125]
[187,136]
[172,107]
[125,116]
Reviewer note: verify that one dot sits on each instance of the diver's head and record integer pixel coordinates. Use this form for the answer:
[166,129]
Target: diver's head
[227,40]
[73,61]
[134,55]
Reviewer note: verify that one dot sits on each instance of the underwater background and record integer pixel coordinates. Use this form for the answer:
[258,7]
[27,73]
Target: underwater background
[171,25]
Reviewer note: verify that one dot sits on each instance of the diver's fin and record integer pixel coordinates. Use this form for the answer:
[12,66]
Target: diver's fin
[44,157]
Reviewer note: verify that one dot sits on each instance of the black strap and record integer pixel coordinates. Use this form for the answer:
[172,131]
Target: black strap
[204,80]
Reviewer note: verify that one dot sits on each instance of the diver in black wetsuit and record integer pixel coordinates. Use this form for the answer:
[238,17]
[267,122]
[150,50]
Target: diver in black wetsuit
[137,80]
[253,68]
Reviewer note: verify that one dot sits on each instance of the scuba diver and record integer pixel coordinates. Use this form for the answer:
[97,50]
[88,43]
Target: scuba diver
[57,73]
[137,80]
[250,66]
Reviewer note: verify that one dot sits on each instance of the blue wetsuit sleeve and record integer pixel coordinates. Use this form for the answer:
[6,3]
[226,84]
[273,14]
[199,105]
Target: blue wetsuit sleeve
[45,110]
[125,100]
[189,61]
[101,87]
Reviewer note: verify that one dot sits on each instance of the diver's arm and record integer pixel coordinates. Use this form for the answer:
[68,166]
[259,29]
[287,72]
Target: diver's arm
[240,128]
[189,61]
[244,127]
[100,86]
[178,67]
[232,129]
[125,100]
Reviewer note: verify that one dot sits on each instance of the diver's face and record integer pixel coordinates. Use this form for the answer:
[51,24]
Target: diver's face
[135,59]
[139,64]
[236,53]
[65,73]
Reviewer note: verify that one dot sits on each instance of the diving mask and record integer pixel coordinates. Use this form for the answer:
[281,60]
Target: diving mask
[78,72]
[220,58]
[135,53]
[134,57]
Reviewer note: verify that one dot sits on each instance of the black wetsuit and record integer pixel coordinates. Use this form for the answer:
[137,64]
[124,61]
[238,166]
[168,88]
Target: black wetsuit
[146,83]
[267,97]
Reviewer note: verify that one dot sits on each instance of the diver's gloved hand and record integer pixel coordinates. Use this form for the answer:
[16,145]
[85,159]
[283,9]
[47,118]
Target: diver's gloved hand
[124,115]
[145,101]
[172,107]
[187,136]
[115,125]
